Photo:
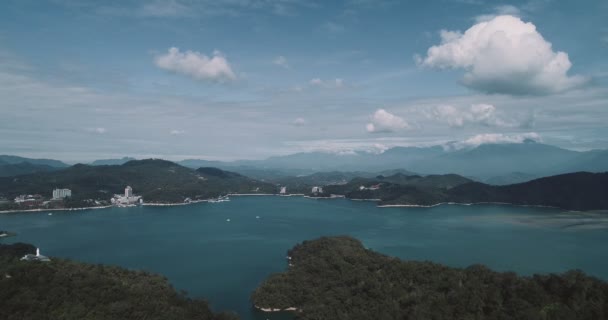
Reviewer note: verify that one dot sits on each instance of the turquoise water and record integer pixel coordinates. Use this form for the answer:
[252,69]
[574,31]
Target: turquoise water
[202,253]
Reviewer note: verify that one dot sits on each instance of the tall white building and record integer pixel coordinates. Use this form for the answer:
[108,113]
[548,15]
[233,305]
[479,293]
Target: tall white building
[128,199]
[128,191]
[61,193]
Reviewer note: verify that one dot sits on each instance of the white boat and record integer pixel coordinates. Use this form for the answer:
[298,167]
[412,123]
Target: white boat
[50,213]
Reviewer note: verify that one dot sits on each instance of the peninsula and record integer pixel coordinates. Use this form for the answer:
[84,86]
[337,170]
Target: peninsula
[338,278]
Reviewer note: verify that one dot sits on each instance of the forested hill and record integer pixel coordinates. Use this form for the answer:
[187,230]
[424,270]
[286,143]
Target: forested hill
[337,278]
[572,191]
[155,180]
[63,289]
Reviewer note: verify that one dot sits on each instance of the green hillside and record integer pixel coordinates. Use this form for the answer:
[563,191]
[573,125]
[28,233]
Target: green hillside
[64,289]
[155,180]
[337,278]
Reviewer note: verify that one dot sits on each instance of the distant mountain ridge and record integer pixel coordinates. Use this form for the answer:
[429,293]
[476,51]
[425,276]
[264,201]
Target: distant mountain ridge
[8,159]
[501,163]
[14,165]
[572,191]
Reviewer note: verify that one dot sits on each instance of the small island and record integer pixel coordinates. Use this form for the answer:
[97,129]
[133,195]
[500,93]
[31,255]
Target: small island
[338,278]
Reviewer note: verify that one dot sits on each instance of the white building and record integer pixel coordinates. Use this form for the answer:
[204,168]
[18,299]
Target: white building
[37,257]
[128,199]
[317,190]
[128,191]
[283,190]
[61,193]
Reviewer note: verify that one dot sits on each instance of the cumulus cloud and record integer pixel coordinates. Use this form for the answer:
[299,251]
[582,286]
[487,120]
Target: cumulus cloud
[281,62]
[197,65]
[298,122]
[383,121]
[504,55]
[327,84]
[480,114]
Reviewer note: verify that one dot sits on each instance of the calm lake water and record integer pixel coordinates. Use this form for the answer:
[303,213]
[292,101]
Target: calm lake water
[201,252]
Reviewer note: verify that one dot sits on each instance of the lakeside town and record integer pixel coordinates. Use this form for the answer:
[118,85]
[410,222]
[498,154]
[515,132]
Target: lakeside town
[61,198]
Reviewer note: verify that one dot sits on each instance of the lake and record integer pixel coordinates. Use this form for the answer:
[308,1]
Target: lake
[201,252]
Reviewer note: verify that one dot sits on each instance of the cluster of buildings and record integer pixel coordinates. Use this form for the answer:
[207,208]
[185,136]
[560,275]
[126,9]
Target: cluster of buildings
[316,190]
[35,200]
[128,199]
[29,200]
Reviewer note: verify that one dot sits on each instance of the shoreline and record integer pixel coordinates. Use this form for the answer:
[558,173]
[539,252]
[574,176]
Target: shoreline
[268,310]
[153,204]
[476,203]
[55,209]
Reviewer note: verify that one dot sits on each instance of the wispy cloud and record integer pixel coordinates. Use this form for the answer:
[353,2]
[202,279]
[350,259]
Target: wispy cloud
[281,61]
[176,132]
[98,130]
[332,28]
[493,138]
[478,114]
[336,83]
[164,8]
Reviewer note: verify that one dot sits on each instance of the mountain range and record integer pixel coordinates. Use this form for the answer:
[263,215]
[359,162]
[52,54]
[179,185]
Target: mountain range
[498,164]
[492,163]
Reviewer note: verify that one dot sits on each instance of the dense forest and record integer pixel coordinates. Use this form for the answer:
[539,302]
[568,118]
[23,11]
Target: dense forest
[572,191]
[63,289]
[155,180]
[337,278]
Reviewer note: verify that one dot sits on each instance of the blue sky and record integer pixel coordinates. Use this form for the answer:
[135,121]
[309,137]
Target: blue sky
[234,79]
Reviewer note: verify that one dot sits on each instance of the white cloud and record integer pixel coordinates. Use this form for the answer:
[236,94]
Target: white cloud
[177,132]
[197,65]
[281,62]
[299,122]
[327,84]
[494,138]
[504,55]
[383,121]
[499,11]
[480,114]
